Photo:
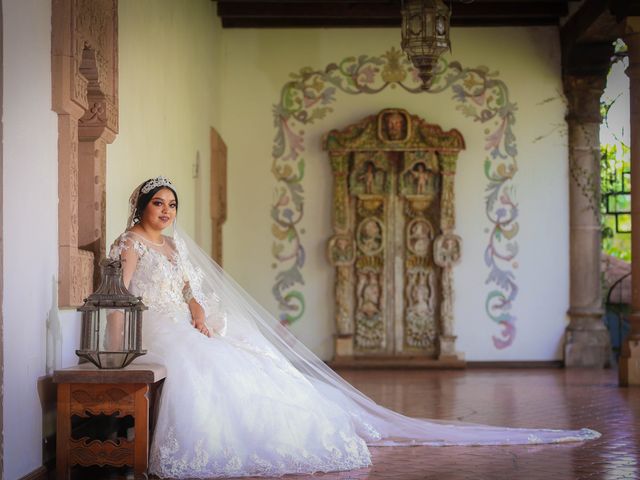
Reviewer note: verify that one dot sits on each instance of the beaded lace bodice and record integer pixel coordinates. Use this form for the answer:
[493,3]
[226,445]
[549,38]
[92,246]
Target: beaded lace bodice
[164,277]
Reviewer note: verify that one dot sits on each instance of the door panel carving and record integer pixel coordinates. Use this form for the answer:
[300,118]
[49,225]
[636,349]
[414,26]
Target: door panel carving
[393,245]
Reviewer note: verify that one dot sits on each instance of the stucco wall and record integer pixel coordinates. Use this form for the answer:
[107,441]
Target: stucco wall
[167,91]
[258,63]
[30,204]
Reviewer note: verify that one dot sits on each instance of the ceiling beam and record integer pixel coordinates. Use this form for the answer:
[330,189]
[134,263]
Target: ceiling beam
[587,37]
[256,14]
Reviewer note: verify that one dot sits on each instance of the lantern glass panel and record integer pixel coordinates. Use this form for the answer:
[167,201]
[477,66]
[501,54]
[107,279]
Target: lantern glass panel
[111,322]
[111,326]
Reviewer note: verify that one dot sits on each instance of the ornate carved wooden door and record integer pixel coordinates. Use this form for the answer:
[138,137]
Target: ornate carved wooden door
[393,245]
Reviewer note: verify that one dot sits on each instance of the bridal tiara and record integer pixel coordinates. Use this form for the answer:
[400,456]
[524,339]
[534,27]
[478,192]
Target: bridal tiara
[156,182]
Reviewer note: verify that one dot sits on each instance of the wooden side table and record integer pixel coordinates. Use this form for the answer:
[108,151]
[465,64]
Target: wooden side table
[86,391]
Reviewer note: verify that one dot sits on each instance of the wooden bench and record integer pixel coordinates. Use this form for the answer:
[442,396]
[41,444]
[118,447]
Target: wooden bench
[86,391]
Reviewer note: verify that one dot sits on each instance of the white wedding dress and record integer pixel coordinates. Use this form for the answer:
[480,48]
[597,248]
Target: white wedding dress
[251,400]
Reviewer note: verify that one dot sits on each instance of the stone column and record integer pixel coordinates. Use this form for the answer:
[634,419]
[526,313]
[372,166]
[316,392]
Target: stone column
[587,341]
[341,252]
[629,368]
[446,255]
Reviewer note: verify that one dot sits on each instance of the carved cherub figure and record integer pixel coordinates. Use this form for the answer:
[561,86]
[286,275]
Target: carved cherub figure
[369,293]
[420,296]
[421,176]
[368,177]
[419,236]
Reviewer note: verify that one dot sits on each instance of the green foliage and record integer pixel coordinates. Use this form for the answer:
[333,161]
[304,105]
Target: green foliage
[614,160]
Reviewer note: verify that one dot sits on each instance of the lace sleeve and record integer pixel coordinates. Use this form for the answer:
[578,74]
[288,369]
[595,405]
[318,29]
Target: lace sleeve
[216,315]
[128,251]
[192,278]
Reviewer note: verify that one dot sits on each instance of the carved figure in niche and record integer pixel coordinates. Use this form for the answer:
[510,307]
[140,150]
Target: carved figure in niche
[447,250]
[341,250]
[370,236]
[393,126]
[419,296]
[421,176]
[419,236]
[368,293]
[421,293]
[368,316]
[369,177]
[421,328]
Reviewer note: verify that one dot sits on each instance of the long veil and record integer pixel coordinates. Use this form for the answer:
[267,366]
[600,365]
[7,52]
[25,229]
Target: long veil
[236,316]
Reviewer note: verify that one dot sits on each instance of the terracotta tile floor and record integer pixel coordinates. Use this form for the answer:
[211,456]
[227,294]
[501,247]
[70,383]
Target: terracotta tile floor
[553,398]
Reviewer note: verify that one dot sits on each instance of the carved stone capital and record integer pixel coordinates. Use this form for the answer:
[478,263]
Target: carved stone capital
[583,96]
[589,58]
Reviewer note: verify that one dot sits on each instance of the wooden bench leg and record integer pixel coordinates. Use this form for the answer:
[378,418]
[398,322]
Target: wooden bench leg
[63,434]
[141,447]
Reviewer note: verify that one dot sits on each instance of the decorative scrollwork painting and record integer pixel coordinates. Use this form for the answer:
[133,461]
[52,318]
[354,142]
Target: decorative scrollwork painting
[479,94]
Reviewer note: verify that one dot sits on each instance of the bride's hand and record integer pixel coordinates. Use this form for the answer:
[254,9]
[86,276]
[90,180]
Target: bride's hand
[197,316]
[198,324]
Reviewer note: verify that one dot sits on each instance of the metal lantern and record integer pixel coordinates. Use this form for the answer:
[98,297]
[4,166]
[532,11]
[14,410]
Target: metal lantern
[111,321]
[425,35]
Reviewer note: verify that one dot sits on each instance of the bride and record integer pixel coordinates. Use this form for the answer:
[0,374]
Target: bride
[242,397]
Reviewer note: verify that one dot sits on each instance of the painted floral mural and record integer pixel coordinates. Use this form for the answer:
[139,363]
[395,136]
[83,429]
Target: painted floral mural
[478,93]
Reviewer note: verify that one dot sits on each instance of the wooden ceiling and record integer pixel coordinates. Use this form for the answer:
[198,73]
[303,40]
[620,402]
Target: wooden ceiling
[384,13]
[587,27]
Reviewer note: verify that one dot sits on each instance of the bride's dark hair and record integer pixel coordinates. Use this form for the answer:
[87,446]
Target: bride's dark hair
[145,198]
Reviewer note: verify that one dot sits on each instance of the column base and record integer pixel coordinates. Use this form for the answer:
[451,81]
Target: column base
[343,346]
[629,364]
[587,343]
[448,349]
